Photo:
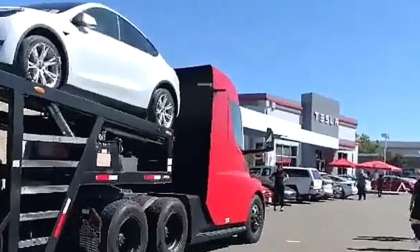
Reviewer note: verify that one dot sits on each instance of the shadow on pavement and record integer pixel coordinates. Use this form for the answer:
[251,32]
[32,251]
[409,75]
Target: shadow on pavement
[382,238]
[382,249]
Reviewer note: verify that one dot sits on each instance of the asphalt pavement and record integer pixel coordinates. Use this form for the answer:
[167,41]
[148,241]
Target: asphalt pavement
[377,224]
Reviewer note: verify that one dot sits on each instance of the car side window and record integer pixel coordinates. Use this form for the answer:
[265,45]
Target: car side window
[107,21]
[131,36]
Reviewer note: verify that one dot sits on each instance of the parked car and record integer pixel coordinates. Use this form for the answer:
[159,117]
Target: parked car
[327,188]
[89,49]
[393,183]
[368,186]
[307,182]
[263,173]
[346,187]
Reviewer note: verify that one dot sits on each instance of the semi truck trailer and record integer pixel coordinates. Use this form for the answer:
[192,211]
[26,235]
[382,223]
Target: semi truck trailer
[83,176]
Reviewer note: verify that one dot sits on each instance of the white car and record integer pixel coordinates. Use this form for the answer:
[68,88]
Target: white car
[92,50]
[306,182]
[348,186]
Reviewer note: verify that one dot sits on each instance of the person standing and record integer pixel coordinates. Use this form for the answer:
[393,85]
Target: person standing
[415,210]
[361,186]
[380,185]
[279,177]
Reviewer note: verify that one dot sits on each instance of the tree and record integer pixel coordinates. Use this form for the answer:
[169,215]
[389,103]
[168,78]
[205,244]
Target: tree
[397,160]
[366,145]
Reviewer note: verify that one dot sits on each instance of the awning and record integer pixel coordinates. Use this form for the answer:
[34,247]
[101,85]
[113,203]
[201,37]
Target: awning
[291,131]
[342,163]
[379,165]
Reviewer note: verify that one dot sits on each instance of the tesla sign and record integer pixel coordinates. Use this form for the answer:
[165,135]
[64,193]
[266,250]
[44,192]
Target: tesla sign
[326,119]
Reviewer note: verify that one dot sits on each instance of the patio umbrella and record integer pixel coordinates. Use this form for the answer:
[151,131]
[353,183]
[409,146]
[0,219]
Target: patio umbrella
[375,165]
[342,163]
[395,169]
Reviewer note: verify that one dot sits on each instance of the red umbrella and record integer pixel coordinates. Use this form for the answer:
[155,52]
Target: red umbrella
[376,165]
[342,163]
[395,169]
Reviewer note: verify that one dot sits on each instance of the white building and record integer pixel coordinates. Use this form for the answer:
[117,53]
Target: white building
[310,133]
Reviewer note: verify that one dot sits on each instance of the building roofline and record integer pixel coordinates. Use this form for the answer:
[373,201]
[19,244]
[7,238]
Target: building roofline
[348,120]
[264,96]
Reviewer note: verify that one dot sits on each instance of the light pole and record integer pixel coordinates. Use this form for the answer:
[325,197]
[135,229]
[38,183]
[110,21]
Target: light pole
[385,136]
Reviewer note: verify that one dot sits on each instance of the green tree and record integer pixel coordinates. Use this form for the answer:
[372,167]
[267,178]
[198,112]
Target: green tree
[397,160]
[366,145]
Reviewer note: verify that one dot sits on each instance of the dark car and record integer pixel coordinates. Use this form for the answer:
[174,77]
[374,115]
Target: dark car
[395,183]
[263,173]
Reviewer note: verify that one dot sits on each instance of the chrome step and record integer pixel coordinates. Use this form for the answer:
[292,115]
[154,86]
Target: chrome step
[49,164]
[33,242]
[29,190]
[54,139]
[39,215]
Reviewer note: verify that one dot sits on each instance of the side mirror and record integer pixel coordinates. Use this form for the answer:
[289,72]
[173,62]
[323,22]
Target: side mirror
[267,146]
[85,20]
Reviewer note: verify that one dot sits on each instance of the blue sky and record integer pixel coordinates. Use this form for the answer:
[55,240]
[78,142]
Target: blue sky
[365,54]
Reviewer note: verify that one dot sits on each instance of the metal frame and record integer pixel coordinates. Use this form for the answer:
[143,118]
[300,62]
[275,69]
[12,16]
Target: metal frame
[17,90]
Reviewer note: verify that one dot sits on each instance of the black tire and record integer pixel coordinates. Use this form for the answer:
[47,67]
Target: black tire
[24,55]
[154,108]
[343,194]
[255,224]
[168,226]
[124,227]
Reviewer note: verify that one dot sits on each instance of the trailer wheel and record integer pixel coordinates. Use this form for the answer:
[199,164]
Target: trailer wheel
[124,227]
[168,226]
[255,224]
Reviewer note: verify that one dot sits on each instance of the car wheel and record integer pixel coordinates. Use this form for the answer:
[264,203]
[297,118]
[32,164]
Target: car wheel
[40,61]
[255,224]
[162,109]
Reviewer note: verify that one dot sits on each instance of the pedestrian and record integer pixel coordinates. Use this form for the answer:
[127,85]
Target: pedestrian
[380,185]
[279,177]
[361,186]
[415,210]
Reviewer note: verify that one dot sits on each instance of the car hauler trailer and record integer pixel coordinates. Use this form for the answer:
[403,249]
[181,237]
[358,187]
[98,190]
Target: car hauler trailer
[81,176]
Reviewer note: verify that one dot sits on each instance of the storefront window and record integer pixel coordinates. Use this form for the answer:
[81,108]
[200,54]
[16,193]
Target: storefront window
[286,155]
[342,171]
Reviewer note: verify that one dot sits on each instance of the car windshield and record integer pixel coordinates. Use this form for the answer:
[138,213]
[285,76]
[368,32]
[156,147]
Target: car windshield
[316,174]
[53,7]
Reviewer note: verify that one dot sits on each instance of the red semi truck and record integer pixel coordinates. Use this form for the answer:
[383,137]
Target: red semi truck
[82,176]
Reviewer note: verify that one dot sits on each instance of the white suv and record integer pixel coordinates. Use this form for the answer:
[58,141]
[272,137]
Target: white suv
[89,49]
[306,181]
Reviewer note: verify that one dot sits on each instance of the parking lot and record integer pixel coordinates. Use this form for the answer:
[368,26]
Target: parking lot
[339,225]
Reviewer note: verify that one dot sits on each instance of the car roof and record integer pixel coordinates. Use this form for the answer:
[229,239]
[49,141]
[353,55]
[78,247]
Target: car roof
[299,168]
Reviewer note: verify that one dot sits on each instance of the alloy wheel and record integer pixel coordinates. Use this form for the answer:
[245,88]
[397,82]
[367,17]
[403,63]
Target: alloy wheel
[44,65]
[165,111]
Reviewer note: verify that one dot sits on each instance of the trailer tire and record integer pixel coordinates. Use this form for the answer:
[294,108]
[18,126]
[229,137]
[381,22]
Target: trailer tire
[255,223]
[124,227]
[168,226]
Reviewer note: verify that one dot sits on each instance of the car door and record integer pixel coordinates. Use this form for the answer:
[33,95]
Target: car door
[98,57]
[144,65]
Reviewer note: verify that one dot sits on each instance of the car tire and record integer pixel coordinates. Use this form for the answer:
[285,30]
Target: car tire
[168,226]
[162,109]
[124,227]
[40,61]
[255,223]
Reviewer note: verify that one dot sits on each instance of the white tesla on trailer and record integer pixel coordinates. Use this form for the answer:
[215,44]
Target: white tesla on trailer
[92,49]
